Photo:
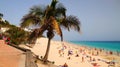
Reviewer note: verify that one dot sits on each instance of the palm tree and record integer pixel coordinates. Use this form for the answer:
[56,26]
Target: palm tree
[50,19]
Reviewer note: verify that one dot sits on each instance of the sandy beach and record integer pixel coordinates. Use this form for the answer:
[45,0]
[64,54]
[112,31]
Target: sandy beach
[73,55]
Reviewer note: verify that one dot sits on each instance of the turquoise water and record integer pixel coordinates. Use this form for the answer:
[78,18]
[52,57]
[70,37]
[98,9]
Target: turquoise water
[107,45]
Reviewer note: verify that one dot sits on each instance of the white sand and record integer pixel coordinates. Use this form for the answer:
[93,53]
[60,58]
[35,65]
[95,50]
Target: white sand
[40,49]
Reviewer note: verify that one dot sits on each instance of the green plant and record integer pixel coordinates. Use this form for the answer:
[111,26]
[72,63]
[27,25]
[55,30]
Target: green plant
[17,35]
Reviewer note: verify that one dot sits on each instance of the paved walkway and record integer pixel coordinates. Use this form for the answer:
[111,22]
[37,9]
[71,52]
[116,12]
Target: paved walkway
[10,56]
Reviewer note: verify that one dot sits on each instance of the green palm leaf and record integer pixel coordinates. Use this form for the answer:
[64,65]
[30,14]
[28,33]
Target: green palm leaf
[60,11]
[37,10]
[71,22]
[30,20]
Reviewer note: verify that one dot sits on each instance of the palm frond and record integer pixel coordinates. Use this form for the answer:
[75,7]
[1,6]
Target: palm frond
[53,3]
[37,10]
[34,17]
[30,20]
[60,10]
[71,22]
[56,27]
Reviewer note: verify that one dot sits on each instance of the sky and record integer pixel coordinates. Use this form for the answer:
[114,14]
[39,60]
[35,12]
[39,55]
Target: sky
[100,19]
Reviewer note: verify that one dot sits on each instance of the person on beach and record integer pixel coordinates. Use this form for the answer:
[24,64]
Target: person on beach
[65,65]
[90,58]
[93,59]
[84,53]
[77,55]
[82,59]
[69,52]
[65,47]
[61,53]
[92,53]
[80,50]
[68,58]
[110,52]
[97,53]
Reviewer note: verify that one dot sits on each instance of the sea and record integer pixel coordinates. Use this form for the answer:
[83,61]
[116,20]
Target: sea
[106,45]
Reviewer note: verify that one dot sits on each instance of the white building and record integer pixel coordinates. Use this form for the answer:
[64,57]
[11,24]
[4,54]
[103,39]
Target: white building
[2,30]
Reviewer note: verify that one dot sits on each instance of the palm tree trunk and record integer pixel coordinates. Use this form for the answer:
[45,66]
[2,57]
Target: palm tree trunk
[47,51]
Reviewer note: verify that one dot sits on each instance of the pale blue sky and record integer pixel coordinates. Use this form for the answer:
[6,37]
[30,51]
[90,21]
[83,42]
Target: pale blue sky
[100,19]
